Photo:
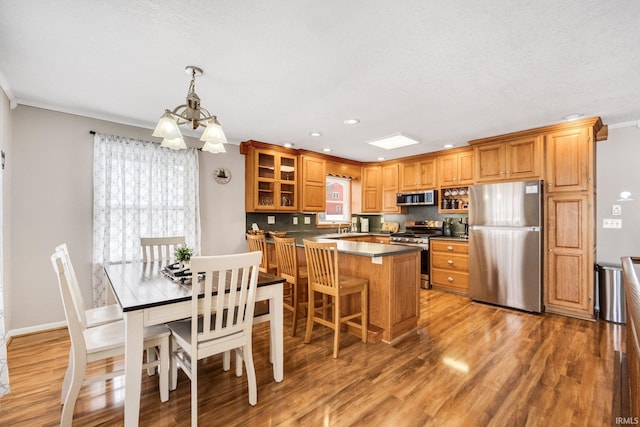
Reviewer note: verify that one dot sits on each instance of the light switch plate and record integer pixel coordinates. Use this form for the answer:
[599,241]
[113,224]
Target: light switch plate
[611,223]
[271,219]
[307,220]
[616,210]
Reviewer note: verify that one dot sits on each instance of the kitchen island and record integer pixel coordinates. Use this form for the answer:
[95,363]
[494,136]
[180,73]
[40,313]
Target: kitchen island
[393,272]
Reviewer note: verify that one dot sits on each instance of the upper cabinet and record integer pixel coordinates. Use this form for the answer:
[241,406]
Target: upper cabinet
[271,181]
[390,175]
[569,160]
[313,189]
[371,189]
[456,169]
[509,161]
[418,175]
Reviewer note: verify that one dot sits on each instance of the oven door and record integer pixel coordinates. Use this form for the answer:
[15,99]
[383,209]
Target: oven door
[424,263]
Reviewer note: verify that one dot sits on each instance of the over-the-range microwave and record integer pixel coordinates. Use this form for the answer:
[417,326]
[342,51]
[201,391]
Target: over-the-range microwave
[425,197]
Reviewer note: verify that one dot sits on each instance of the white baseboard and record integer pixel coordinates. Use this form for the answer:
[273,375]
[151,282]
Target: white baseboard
[35,329]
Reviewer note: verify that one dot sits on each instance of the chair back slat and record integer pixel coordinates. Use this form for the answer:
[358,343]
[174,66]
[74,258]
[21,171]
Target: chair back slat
[72,282]
[322,263]
[160,248]
[234,279]
[258,243]
[76,321]
[287,258]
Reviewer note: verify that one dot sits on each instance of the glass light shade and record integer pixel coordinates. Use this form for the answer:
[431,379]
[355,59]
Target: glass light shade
[213,133]
[174,144]
[214,147]
[167,128]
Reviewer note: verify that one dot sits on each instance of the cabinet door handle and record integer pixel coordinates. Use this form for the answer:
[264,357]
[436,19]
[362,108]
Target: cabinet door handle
[450,279]
[450,262]
[449,248]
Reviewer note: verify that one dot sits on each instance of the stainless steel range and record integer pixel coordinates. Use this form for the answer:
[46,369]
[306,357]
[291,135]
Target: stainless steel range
[417,234]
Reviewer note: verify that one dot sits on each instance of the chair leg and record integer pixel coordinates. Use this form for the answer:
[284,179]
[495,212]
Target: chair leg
[310,310]
[163,370]
[239,357]
[247,352]
[173,371]
[336,325]
[364,304]
[194,391]
[67,378]
[294,303]
[77,375]
[226,361]
[151,357]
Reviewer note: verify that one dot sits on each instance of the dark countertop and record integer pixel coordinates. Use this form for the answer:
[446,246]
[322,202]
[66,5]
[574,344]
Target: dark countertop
[451,238]
[354,248]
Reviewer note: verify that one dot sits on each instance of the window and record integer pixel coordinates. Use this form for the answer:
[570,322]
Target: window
[338,202]
[140,190]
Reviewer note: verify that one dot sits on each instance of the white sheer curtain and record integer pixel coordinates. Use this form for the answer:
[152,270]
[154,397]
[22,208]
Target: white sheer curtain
[139,190]
[4,367]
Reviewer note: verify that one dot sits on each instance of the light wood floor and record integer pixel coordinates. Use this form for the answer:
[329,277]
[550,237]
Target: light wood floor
[467,365]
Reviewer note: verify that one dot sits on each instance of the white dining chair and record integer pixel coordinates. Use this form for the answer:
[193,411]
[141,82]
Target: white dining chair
[99,343]
[160,248]
[225,324]
[90,316]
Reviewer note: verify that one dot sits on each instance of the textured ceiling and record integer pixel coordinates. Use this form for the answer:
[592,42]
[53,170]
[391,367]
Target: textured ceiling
[438,71]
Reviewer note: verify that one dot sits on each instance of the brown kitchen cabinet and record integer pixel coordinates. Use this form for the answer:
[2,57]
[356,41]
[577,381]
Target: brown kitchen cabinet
[271,181]
[449,265]
[570,160]
[390,187]
[570,255]
[371,189]
[456,169]
[509,161]
[313,193]
[418,175]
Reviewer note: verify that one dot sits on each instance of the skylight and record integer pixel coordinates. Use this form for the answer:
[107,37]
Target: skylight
[395,141]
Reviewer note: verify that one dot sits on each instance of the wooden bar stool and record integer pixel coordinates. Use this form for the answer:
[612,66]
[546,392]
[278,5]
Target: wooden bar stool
[296,277]
[324,278]
[258,243]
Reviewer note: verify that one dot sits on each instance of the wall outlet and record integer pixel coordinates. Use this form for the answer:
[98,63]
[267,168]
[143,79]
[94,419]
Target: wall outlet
[611,223]
[307,220]
[295,220]
[271,219]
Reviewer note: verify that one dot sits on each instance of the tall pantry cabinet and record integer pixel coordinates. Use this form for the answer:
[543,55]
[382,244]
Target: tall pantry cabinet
[570,218]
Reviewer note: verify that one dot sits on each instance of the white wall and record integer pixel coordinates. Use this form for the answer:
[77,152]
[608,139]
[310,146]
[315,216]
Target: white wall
[51,170]
[618,169]
[5,145]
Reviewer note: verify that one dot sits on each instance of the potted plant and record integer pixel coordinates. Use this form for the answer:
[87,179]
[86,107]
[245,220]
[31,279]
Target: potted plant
[183,255]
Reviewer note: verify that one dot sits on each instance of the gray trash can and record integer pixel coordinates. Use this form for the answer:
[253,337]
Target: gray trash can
[610,287]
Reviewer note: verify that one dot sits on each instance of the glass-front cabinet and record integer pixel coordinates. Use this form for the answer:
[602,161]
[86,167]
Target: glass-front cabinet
[274,181]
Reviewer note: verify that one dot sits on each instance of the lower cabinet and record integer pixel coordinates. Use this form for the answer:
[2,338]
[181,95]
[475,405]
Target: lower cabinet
[449,265]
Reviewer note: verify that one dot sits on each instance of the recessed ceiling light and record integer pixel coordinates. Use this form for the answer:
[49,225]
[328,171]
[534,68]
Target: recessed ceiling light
[288,144]
[315,134]
[326,150]
[448,145]
[380,159]
[351,121]
[572,117]
[395,141]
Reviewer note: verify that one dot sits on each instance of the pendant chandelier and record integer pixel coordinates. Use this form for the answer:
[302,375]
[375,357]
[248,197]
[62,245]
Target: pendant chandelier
[191,113]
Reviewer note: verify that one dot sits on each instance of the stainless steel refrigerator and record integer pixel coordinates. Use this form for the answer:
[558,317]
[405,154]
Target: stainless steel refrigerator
[505,244]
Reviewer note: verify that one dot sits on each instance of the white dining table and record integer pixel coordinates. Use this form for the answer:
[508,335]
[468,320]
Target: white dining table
[148,297]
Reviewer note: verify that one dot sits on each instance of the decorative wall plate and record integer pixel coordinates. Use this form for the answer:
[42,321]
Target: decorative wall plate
[222,175]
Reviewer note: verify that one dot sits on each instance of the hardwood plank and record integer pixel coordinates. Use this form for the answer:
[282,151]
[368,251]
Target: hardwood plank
[467,364]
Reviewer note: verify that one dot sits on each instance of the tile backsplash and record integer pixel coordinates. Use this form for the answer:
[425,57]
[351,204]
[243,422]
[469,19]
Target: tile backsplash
[285,221]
